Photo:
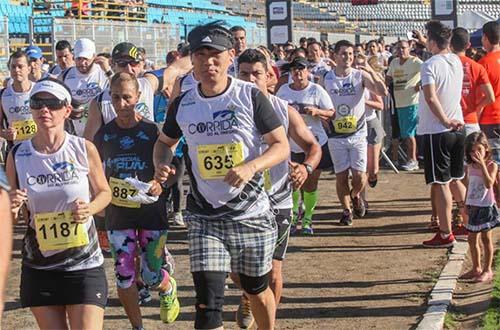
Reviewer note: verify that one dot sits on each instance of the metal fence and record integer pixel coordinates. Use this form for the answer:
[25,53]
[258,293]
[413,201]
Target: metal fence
[4,43]
[157,39]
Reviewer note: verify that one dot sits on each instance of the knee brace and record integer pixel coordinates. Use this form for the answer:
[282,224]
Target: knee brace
[254,285]
[209,288]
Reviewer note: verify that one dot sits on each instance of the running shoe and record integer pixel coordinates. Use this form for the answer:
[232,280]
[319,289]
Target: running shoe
[169,304]
[372,182]
[102,236]
[358,205]
[412,165]
[460,232]
[178,219]
[434,224]
[295,221]
[439,242]
[346,219]
[307,228]
[144,294]
[244,317]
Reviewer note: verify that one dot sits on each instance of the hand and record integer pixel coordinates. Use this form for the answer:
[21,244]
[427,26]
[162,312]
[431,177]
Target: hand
[17,199]
[81,211]
[298,174]
[156,188]
[311,111]
[163,172]
[9,133]
[238,176]
[454,124]
[103,62]
[420,37]
[417,88]
[477,158]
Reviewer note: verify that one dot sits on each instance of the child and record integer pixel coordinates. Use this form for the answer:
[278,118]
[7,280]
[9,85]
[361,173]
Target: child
[481,205]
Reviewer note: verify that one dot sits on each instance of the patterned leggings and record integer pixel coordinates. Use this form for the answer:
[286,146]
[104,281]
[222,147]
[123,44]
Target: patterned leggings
[124,248]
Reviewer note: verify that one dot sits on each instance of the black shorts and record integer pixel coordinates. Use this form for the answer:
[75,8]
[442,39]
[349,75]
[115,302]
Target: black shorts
[444,156]
[283,221]
[59,288]
[396,132]
[326,160]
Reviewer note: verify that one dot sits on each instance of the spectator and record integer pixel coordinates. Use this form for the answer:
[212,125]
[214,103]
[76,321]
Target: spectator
[36,62]
[303,42]
[64,58]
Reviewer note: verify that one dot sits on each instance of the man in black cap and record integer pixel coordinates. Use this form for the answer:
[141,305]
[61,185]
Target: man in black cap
[126,57]
[230,227]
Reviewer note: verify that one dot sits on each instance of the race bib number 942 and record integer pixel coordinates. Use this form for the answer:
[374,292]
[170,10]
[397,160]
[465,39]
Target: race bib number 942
[215,160]
[57,231]
[345,125]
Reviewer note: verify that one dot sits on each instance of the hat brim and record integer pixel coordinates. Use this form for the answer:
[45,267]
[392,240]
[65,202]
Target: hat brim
[35,56]
[87,55]
[208,45]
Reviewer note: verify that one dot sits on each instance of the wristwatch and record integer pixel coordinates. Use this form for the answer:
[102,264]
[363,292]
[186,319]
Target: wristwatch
[309,168]
[108,73]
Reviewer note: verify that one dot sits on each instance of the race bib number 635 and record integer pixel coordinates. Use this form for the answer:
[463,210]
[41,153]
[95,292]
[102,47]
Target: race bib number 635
[215,160]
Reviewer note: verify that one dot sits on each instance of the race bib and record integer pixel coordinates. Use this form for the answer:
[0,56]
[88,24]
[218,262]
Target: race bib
[345,125]
[215,160]
[120,190]
[25,129]
[57,231]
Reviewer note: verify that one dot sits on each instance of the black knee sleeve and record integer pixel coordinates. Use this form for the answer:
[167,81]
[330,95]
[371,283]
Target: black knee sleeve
[254,285]
[209,288]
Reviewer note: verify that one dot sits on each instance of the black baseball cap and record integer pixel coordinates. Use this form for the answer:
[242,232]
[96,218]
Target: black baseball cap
[212,36]
[299,62]
[126,49]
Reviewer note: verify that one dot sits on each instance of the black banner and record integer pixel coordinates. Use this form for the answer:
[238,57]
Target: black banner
[445,11]
[279,22]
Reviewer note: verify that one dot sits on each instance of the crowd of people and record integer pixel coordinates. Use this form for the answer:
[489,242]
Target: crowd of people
[98,146]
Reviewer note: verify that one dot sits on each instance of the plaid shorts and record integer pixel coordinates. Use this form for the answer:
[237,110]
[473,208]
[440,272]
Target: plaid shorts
[226,245]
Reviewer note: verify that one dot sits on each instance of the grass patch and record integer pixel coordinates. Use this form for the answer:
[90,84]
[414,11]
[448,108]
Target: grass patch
[431,275]
[450,321]
[491,319]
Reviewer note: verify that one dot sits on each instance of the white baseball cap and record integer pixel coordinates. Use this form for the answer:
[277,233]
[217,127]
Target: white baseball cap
[84,48]
[52,87]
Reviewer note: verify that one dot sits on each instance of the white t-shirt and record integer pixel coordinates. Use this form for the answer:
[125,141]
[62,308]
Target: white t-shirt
[313,95]
[446,73]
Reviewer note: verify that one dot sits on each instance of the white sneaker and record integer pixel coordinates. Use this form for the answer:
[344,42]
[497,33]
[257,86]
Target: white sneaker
[410,166]
[178,220]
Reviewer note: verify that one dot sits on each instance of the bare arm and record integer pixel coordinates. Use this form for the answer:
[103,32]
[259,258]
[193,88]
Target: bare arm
[433,101]
[5,243]
[94,121]
[373,81]
[98,182]
[176,90]
[162,157]
[488,97]
[376,102]
[302,135]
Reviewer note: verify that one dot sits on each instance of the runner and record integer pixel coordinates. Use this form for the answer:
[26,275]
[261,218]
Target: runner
[240,45]
[318,66]
[254,67]
[14,101]
[86,80]
[404,72]
[230,227]
[64,58]
[62,277]
[440,123]
[6,241]
[126,147]
[347,142]
[36,60]
[126,58]
[314,104]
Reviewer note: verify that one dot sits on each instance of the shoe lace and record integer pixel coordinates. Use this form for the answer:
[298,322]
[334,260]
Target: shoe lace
[166,300]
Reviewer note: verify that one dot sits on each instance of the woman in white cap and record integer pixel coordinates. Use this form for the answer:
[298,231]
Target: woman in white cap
[62,276]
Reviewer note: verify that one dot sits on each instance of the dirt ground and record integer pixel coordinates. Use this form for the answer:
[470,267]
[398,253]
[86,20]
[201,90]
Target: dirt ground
[373,275]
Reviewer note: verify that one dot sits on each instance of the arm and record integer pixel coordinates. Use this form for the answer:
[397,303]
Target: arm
[176,89]
[94,121]
[487,97]
[8,133]
[489,173]
[373,81]
[162,157]
[179,67]
[433,101]
[324,114]
[376,102]
[5,243]
[98,182]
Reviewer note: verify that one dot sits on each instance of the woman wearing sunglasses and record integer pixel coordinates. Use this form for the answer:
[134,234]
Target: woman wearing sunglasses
[53,173]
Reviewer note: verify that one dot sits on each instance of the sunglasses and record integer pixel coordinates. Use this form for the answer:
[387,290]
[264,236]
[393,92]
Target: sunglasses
[124,63]
[51,104]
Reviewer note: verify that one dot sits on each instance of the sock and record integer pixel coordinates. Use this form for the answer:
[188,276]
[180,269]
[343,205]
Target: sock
[165,282]
[296,201]
[310,202]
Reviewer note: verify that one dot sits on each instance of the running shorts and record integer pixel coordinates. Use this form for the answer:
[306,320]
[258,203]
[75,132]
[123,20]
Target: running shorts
[376,132]
[408,120]
[226,245]
[349,153]
[444,156]
[283,223]
[59,288]
[325,162]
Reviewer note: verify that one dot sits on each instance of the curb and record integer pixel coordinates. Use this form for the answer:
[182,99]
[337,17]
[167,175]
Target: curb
[442,293]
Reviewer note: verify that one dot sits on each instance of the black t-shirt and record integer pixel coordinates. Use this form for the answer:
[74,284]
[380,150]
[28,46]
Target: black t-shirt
[129,153]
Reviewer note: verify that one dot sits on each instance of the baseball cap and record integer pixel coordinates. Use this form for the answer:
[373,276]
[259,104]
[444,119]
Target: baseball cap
[212,36]
[34,51]
[84,48]
[53,87]
[299,62]
[127,49]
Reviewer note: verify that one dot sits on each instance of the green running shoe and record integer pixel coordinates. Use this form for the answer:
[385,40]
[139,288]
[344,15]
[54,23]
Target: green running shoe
[307,229]
[169,304]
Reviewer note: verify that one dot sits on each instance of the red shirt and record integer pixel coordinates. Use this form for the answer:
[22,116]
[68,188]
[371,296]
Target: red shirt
[474,76]
[491,113]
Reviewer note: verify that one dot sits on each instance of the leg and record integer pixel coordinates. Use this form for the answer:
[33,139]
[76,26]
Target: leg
[276,280]
[342,184]
[475,255]
[124,251]
[358,182]
[394,150]
[209,288]
[443,202]
[86,317]
[50,317]
[310,189]
[261,299]
[411,144]
[486,238]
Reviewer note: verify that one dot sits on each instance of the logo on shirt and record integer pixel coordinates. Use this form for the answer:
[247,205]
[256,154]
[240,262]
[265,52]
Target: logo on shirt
[23,109]
[92,89]
[223,122]
[126,163]
[141,135]
[109,137]
[343,109]
[347,89]
[142,109]
[126,143]
[63,174]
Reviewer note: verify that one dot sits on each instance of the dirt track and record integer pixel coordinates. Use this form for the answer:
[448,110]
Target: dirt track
[374,275]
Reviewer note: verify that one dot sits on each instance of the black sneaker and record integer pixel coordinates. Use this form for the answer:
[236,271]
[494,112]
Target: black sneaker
[346,219]
[358,205]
